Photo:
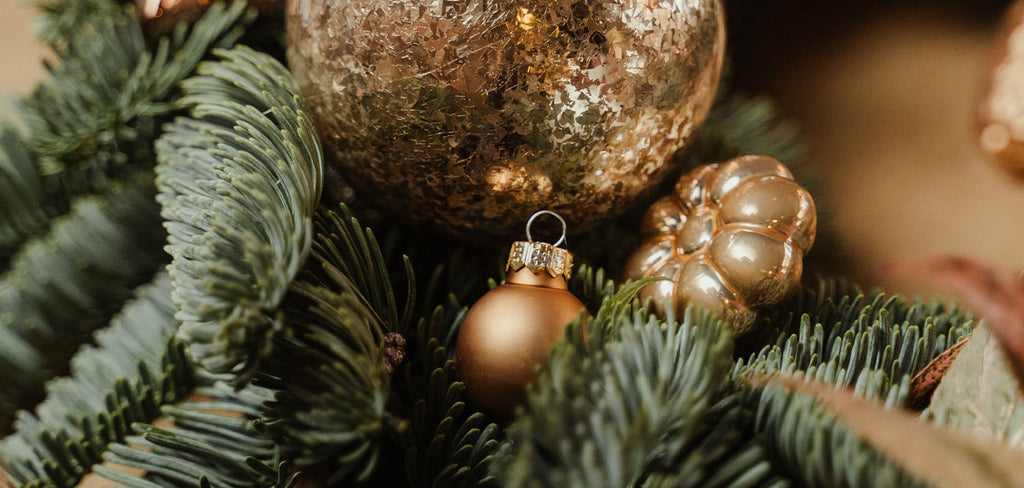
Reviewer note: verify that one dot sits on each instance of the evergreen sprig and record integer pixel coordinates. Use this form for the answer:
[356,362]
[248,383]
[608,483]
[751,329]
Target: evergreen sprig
[213,443]
[591,286]
[447,443]
[333,383]
[349,255]
[239,182]
[104,412]
[64,285]
[835,325]
[835,333]
[331,368]
[613,412]
[95,118]
[131,371]
[60,23]
[24,210]
[813,449]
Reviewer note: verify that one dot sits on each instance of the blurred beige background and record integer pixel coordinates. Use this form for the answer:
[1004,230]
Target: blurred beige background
[19,53]
[887,111]
[886,108]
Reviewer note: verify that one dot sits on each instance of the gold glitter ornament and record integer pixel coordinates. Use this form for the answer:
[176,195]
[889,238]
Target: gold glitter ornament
[731,239]
[466,115]
[508,332]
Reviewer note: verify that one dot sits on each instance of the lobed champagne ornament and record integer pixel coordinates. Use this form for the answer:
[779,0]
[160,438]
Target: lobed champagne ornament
[508,332]
[731,239]
[466,115]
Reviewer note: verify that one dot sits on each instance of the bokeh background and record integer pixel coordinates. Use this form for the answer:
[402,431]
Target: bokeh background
[884,92]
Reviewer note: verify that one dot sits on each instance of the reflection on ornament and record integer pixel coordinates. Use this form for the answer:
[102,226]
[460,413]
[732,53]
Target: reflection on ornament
[731,239]
[508,332]
[1001,106]
[467,115]
[527,21]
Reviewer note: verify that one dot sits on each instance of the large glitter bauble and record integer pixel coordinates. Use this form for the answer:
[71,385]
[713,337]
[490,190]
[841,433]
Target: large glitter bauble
[730,239]
[468,115]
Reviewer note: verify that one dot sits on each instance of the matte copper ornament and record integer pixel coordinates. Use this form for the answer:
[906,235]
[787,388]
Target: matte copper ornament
[731,239]
[508,332]
[467,115]
[1001,105]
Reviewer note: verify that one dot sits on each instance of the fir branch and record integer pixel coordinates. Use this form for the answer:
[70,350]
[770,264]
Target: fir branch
[118,387]
[23,212]
[96,117]
[332,382]
[725,454]
[833,333]
[66,284]
[61,22]
[337,404]
[123,379]
[591,286]
[330,369]
[815,449]
[213,443]
[446,443]
[239,183]
[834,325]
[613,412]
[352,250]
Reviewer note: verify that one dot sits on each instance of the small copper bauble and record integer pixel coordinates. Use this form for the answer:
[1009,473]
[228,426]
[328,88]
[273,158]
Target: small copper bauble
[1001,105]
[465,115]
[508,332]
[730,239]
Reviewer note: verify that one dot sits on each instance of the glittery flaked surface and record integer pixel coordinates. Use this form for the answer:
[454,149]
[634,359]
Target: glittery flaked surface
[471,115]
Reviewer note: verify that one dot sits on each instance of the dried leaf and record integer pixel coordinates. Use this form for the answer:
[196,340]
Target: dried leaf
[980,395]
[923,386]
[998,298]
[937,456]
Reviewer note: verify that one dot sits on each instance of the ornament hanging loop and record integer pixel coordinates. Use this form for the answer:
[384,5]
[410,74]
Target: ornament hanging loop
[529,223]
